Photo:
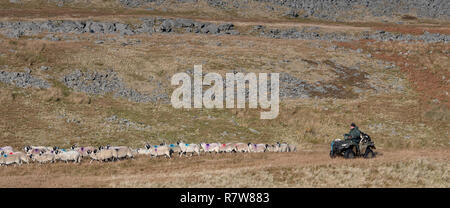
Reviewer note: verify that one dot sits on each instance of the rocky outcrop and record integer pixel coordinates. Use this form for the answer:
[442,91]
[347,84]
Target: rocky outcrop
[148,25]
[354,10]
[99,83]
[334,10]
[23,79]
[314,33]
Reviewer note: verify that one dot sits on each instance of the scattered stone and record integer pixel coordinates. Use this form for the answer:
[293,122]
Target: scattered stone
[149,25]
[125,123]
[254,131]
[98,83]
[23,79]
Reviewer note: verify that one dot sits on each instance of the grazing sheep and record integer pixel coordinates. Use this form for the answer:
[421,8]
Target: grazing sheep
[241,147]
[160,150]
[34,149]
[122,152]
[43,157]
[10,158]
[175,148]
[83,150]
[189,148]
[23,157]
[67,156]
[6,149]
[103,155]
[228,147]
[256,147]
[143,151]
[213,147]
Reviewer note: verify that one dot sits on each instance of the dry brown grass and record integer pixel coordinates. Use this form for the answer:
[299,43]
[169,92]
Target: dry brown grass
[410,129]
[407,168]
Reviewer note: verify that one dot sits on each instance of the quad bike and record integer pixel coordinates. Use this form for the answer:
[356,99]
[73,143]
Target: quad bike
[350,148]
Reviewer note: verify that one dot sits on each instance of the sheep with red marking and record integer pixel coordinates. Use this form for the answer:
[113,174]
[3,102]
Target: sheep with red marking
[6,149]
[227,148]
[10,158]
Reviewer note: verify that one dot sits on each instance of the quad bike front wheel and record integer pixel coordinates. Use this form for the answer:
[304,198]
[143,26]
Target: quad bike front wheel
[369,153]
[349,154]
[332,154]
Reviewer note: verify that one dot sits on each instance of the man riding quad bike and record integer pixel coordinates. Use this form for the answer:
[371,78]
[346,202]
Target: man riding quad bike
[354,144]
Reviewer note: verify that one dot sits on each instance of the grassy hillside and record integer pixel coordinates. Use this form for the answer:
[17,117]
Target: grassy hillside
[395,91]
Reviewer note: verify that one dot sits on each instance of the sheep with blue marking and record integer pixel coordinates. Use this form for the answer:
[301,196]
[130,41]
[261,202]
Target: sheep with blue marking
[188,148]
[10,158]
[6,149]
[160,150]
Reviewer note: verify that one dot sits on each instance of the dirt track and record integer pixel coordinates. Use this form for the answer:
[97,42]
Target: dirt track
[233,170]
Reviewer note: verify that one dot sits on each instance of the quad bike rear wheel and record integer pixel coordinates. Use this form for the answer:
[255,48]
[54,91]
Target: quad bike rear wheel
[349,154]
[369,153]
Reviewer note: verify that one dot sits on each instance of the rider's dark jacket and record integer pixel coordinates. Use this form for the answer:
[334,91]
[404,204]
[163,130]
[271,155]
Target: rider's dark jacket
[354,133]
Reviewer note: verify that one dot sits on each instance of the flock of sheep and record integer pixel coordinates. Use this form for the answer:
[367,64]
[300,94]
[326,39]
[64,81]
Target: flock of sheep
[42,154]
